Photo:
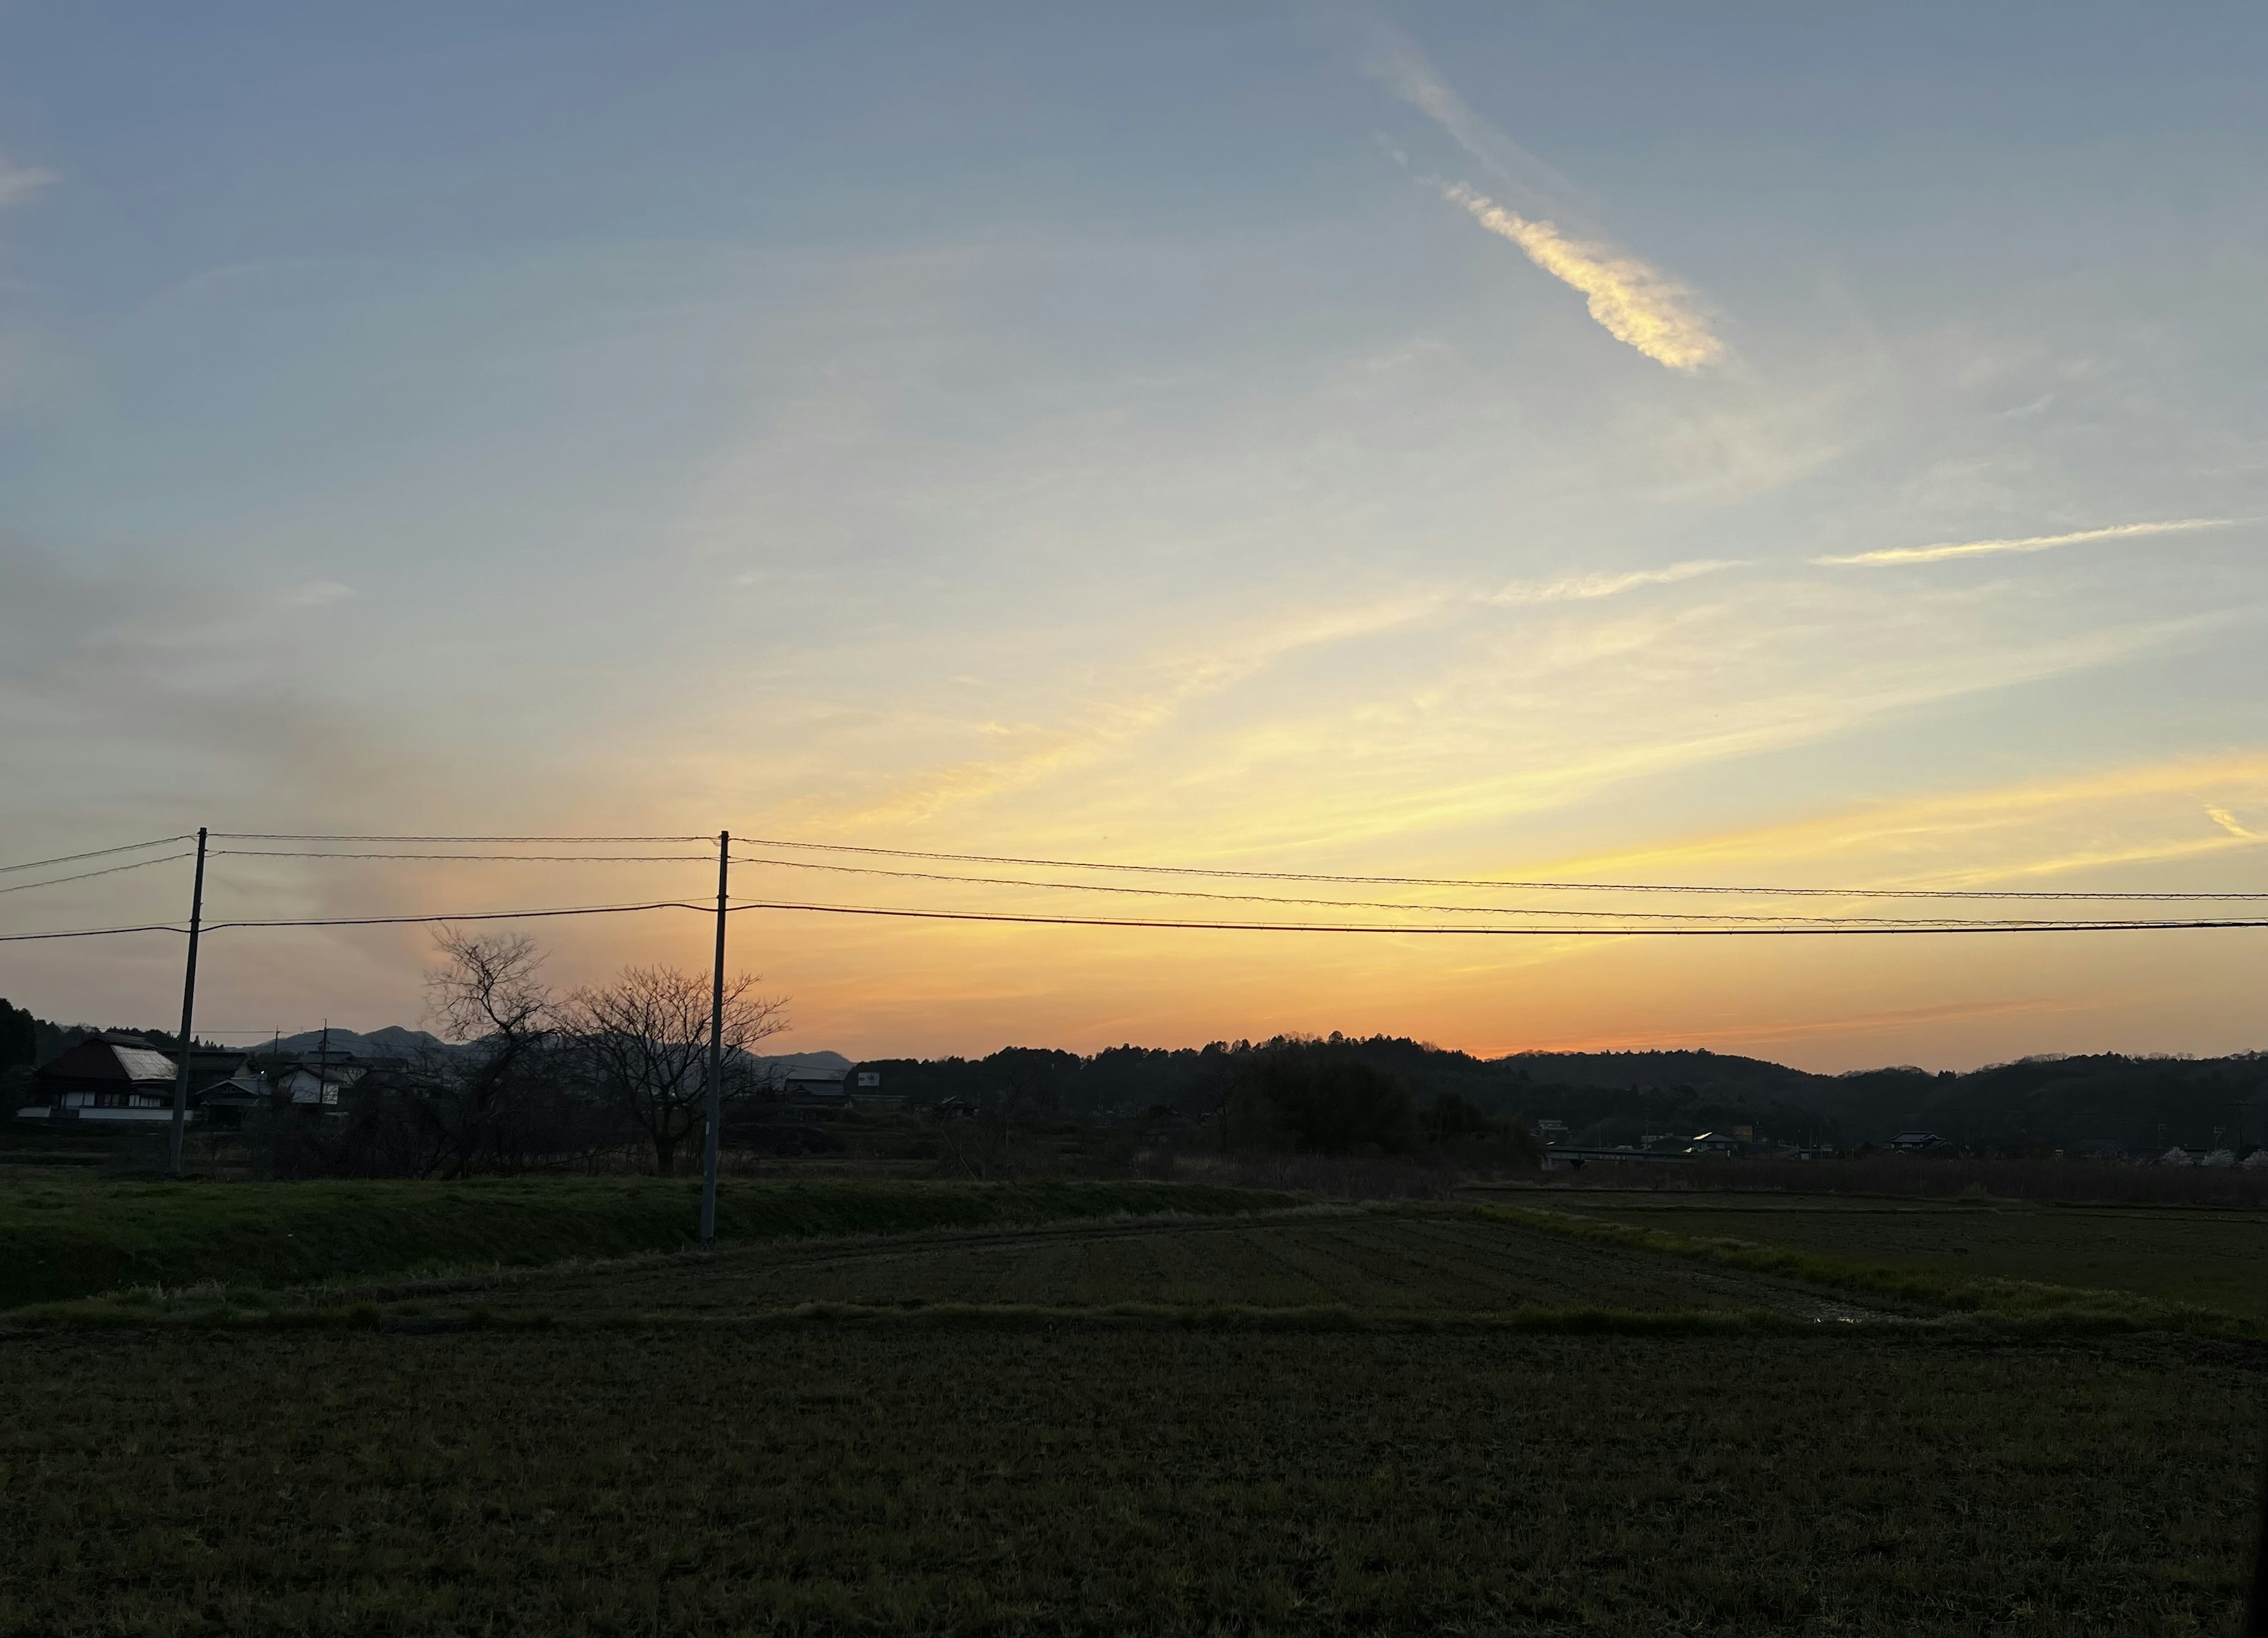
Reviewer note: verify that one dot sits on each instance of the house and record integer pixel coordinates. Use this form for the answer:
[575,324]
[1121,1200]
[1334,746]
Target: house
[1916,1142]
[1549,1133]
[117,1077]
[1720,1143]
[816,1088]
[317,1084]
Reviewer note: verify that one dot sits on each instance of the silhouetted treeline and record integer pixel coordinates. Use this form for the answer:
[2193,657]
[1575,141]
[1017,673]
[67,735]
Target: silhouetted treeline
[2138,1106]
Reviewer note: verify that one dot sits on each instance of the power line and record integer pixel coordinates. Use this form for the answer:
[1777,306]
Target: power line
[255,835]
[1823,927]
[1348,904]
[88,875]
[1820,927]
[509,858]
[1479,882]
[460,916]
[91,932]
[1483,882]
[100,853]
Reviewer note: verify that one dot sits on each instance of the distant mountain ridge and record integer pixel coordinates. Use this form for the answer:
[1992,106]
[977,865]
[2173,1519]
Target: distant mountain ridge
[394,1042]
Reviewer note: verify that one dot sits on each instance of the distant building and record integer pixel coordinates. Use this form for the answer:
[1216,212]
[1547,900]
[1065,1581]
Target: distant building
[1549,1133]
[317,1084]
[115,1077]
[816,1088]
[1916,1142]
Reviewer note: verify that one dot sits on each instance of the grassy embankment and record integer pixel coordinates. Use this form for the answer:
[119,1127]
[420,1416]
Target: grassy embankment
[73,1238]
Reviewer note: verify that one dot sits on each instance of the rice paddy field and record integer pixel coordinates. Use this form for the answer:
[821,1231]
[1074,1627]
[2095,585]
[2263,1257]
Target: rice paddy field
[1313,1418]
[2215,1258]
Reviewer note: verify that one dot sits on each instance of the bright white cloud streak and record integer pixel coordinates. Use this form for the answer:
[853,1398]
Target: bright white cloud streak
[1943,550]
[1635,303]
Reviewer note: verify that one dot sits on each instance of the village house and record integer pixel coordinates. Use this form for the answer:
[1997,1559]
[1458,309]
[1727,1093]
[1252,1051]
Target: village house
[116,1076]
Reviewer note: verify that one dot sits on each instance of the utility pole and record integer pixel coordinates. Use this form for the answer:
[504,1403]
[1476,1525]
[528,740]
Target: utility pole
[716,1049]
[188,1006]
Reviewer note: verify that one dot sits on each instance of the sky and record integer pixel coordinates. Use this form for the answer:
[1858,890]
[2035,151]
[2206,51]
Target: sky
[1746,445]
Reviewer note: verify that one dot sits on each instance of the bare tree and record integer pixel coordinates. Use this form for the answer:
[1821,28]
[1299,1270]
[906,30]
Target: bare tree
[489,995]
[646,1035]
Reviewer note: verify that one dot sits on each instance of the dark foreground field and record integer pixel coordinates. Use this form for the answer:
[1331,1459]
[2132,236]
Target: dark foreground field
[1330,1420]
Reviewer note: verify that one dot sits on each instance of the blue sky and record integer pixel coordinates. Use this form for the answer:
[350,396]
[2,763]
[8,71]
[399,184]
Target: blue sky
[1218,435]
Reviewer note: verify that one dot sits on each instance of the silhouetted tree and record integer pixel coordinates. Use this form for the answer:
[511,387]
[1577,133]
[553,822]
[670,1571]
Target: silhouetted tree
[1320,1098]
[646,1037]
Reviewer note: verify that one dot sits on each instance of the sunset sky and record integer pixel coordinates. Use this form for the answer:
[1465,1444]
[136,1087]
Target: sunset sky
[1751,446]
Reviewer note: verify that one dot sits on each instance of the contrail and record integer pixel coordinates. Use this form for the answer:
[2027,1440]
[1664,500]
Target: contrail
[1633,303]
[1943,550]
[1636,304]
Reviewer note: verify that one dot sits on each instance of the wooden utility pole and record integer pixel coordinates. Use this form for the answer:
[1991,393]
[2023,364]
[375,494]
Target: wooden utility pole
[188,1006]
[716,1049]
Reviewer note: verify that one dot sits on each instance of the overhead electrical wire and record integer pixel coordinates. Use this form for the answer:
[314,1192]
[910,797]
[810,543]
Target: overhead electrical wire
[1595,922]
[1481,882]
[1484,882]
[91,932]
[1786,928]
[1348,904]
[100,853]
[505,859]
[256,835]
[88,875]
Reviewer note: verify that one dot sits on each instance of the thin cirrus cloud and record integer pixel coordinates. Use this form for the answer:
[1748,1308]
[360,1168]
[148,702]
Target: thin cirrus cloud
[1945,550]
[1579,588]
[1635,303]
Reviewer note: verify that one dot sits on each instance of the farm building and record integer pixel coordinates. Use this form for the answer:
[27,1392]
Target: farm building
[122,1077]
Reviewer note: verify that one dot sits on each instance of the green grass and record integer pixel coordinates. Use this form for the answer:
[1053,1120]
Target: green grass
[1393,1260]
[71,1237]
[2211,1259]
[2025,1300]
[722,1478]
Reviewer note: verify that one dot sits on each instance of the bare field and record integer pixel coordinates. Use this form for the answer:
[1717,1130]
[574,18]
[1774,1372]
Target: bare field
[2217,1258]
[1396,1260]
[1095,1426]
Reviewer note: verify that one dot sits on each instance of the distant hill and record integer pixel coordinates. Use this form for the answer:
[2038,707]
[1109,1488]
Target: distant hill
[393,1041]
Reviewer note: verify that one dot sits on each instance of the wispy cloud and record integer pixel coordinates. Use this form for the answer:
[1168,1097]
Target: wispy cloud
[2228,821]
[1943,550]
[1394,59]
[2046,827]
[1635,303]
[1578,588]
[19,182]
